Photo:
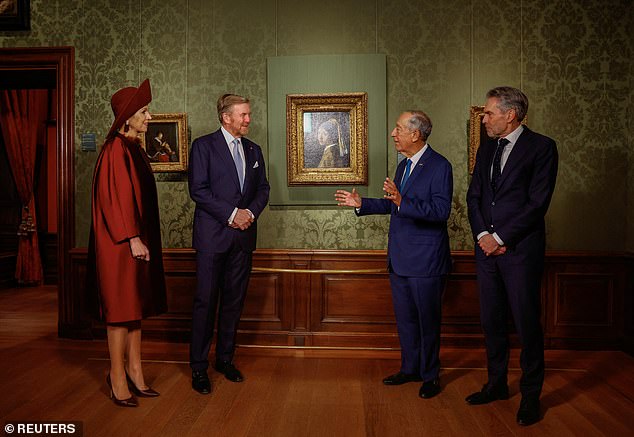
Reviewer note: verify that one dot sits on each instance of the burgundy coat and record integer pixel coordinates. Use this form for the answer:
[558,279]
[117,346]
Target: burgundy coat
[125,205]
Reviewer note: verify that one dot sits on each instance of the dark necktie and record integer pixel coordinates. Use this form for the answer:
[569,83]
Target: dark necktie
[497,163]
[408,168]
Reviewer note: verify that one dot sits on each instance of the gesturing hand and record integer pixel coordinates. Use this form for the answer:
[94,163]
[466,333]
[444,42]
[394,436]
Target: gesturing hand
[346,198]
[391,192]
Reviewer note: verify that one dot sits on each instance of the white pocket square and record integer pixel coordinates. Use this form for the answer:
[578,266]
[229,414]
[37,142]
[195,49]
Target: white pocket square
[256,165]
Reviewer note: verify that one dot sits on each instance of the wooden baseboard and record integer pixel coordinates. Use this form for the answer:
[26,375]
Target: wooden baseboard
[584,297]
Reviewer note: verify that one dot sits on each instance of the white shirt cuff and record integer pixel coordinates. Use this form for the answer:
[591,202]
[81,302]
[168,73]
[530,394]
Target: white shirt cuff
[232,216]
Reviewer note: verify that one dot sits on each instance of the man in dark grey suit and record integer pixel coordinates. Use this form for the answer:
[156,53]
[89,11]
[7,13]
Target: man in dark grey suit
[227,180]
[513,182]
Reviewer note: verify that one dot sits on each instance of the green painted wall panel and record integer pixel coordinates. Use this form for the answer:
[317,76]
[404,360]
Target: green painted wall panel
[573,58]
[321,74]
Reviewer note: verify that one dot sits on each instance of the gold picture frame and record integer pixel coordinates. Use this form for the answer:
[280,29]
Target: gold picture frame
[326,139]
[477,133]
[165,142]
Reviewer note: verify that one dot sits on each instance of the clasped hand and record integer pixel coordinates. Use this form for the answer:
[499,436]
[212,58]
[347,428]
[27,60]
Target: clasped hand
[242,220]
[490,246]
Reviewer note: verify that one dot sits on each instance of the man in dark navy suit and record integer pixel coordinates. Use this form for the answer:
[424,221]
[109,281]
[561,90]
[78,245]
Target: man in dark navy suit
[227,180]
[419,203]
[513,182]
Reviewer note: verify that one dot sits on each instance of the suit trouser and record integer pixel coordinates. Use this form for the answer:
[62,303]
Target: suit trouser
[417,306]
[222,281]
[512,280]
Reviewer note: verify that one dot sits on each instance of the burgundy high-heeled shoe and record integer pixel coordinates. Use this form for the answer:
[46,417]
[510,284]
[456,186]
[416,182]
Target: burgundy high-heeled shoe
[129,402]
[148,393]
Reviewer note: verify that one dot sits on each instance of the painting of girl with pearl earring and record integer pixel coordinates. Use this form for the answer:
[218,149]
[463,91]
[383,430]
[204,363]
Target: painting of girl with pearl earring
[326,138]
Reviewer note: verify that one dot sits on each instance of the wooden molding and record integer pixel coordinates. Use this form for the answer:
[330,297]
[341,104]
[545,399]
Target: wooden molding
[62,61]
[582,306]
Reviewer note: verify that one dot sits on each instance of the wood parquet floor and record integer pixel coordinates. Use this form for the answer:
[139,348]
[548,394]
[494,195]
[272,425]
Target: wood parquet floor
[291,392]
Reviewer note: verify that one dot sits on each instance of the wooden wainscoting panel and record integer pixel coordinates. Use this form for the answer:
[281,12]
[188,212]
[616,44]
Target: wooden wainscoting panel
[586,297]
[264,299]
[181,288]
[361,299]
[584,300]
[583,296]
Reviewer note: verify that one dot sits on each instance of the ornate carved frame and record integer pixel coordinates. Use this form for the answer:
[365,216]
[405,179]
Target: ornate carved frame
[177,124]
[356,105]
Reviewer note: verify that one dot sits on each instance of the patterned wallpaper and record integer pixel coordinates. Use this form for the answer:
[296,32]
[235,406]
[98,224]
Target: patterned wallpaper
[573,58]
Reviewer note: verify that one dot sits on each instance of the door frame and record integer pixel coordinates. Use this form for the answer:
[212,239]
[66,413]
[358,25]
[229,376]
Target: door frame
[62,61]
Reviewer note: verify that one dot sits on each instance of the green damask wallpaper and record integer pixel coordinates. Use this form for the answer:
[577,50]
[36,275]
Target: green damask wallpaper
[573,58]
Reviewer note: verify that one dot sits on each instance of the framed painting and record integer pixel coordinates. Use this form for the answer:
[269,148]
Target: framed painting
[165,142]
[15,15]
[326,139]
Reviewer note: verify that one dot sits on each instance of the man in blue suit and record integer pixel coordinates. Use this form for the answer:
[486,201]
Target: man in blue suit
[419,203]
[513,182]
[227,180]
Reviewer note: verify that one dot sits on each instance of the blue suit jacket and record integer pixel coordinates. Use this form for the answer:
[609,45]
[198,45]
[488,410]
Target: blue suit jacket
[418,242]
[516,211]
[214,186]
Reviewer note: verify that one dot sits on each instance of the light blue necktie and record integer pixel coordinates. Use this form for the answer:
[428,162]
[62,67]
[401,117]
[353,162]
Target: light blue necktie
[408,168]
[237,159]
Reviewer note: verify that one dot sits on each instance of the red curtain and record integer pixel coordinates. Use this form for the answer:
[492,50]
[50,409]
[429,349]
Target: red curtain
[22,117]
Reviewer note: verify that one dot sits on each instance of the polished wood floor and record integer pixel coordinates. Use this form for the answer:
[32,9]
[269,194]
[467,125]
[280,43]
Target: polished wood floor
[291,392]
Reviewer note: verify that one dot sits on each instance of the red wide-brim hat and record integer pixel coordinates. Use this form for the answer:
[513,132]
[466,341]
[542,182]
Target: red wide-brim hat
[126,102]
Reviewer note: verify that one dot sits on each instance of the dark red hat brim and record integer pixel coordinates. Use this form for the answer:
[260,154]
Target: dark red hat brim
[137,99]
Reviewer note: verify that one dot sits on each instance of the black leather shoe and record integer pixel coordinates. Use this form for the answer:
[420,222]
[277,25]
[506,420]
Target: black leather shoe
[401,378]
[429,389]
[489,393]
[528,412]
[201,382]
[229,370]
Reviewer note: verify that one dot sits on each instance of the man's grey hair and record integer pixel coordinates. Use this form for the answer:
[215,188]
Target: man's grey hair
[421,122]
[510,98]
[226,102]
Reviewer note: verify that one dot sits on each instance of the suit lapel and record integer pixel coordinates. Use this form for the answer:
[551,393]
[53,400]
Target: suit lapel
[226,157]
[418,168]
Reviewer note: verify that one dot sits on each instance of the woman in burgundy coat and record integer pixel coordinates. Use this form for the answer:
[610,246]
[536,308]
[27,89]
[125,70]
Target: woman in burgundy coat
[125,243]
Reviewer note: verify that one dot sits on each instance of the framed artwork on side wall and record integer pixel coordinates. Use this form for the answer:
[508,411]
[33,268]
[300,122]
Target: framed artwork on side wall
[15,15]
[165,142]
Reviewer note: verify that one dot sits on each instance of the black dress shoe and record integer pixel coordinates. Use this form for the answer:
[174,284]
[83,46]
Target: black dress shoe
[429,389]
[401,378]
[229,370]
[201,382]
[528,412]
[489,393]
